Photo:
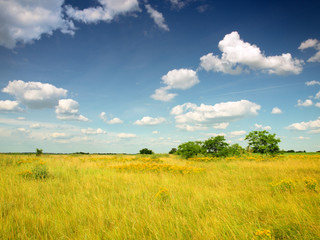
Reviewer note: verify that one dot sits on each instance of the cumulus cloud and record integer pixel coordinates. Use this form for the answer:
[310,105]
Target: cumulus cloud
[157,17]
[317,95]
[258,126]
[107,11]
[35,126]
[115,120]
[58,135]
[239,56]
[91,131]
[191,115]
[312,83]
[312,43]
[306,103]
[317,104]
[126,135]
[191,128]
[175,79]
[276,110]
[222,125]
[237,133]
[25,21]
[312,126]
[9,106]
[35,95]
[150,121]
[68,109]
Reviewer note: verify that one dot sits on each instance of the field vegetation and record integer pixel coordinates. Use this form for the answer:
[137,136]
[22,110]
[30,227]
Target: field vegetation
[250,196]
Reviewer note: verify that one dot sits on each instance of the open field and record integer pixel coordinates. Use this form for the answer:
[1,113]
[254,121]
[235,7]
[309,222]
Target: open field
[159,197]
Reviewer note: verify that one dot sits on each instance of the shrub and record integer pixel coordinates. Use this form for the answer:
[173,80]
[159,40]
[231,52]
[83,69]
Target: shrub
[189,149]
[146,151]
[39,152]
[40,172]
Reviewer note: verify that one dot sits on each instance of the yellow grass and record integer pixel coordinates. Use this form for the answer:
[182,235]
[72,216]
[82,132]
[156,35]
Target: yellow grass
[159,197]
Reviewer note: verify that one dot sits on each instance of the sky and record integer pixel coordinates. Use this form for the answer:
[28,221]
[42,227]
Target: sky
[116,76]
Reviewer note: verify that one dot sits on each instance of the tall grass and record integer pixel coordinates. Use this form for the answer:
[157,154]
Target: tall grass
[86,197]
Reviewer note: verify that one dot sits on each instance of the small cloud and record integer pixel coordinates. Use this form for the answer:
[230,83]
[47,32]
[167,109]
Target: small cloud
[157,17]
[306,103]
[126,135]
[21,118]
[191,128]
[303,138]
[9,106]
[203,8]
[317,104]
[312,43]
[23,130]
[313,126]
[237,133]
[115,120]
[35,126]
[57,135]
[222,125]
[258,126]
[150,121]
[312,83]
[276,110]
[68,109]
[91,131]
[155,132]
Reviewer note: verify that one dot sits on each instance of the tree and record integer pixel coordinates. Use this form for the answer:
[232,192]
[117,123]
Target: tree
[173,150]
[215,145]
[263,142]
[146,151]
[39,152]
[189,149]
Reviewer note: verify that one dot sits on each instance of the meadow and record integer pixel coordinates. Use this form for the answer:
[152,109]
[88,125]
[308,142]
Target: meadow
[159,197]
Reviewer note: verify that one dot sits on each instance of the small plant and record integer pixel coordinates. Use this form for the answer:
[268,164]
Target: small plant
[284,185]
[310,183]
[40,171]
[162,194]
[263,234]
[26,174]
[39,152]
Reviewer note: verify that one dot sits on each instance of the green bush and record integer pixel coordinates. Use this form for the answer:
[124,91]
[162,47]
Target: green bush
[40,172]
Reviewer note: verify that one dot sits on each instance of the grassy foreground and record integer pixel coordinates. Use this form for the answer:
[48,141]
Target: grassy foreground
[162,197]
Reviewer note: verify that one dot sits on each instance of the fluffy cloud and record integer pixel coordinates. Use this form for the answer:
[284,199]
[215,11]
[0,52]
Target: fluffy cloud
[258,126]
[312,126]
[35,95]
[311,43]
[68,109]
[276,110]
[9,106]
[150,121]
[157,17]
[107,11]
[91,131]
[317,95]
[25,21]
[238,56]
[115,120]
[175,79]
[196,117]
[317,104]
[191,128]
[35,126]
[313,82]
[237,133]
[126,135]
[58,135]
[222,125]
[306,103]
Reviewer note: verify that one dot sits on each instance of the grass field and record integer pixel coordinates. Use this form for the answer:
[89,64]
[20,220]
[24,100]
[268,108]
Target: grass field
[159,197]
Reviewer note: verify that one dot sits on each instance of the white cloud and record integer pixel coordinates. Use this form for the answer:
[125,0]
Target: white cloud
[25,21]
[303,138]
[157,17]
[317,104]
[216,134]
[155,132]
[312,43]
[68,109]
[115,120]
[175,79]
[23,130]
[222,125]
[313,126]
[197,117]
[191,128]
[58,135]
[35,95]
[126,135]
[238,56]
[258,126]
[317,95]
[91,131]
[237,133]
[177,3]
[9,106]
[35,126]
[276,110]
[107,11]
[313,82]
[150,121]
[21,118]
[306,103]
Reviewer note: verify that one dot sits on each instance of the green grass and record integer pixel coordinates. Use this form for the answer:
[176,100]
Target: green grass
[82,197]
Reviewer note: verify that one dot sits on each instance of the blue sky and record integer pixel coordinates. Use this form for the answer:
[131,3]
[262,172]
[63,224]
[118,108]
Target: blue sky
[122,75]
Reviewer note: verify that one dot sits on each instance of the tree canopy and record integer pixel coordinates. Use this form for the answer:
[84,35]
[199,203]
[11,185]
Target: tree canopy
[263,142]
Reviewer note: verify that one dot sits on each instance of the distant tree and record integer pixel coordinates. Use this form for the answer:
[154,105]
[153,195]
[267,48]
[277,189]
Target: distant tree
[263,142]
[39,152]
[235,150]
[146,151]
[189,149]
[215,145]
[173,150]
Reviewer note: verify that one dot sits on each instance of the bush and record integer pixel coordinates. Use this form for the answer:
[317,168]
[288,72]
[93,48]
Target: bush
[189,149]
[40,172]
[173,150]
[146,151]
[39,152]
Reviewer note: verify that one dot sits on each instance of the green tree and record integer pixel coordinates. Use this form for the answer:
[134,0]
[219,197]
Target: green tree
[215,145]
[39,152]
[146,151]
[189,149]
[173,150]
[263,142]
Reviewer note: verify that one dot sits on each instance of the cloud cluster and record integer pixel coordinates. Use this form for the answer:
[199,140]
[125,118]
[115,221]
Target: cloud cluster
[126,135]
[157,17]
[107,11]
[312,126]
[9,106]
[312,83]
[175,79]
[311,43]
[239,56]
[25,21]
[276,110]
[150,121]
[68,109]
[260,127]
[91,131]
[35,95]
[115,120]
[306,103]
[190,117]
